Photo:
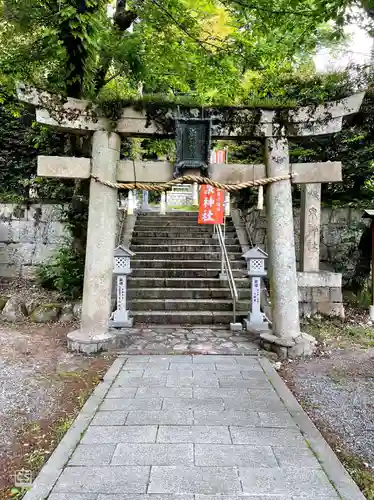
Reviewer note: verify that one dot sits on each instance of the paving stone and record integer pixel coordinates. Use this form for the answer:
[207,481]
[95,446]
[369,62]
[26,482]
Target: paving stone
[194,434]
[220,392]
[195,381]
[285,481]
[200,359]
[89,455]
[291,456]
[131,404]
[272,437]
[113,434]
[133,368]
[67,496]
[140,382]
[192,404]
[247,497]
[185,368]
[181,370]
[137,359]
[226,417]
[250,374]
[160,417]
[156,372]
[103,480]
[153,454]
[164,392]
[227,367]
[277,419]
[110,418]
[239,383]
[121,392]
[229,455]
[127,374]
[181,359]
[249,403]
[194,480]
[144,497]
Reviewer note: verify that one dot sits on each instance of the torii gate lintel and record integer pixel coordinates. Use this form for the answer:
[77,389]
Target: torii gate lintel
[105,164]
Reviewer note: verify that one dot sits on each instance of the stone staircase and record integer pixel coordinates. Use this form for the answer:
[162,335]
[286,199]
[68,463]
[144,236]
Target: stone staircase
[175,278]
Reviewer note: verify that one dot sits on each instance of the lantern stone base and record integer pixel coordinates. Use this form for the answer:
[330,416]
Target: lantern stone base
[121,319]
[122,324]
[260,325]
[303,345]
[236,327]
[79,341]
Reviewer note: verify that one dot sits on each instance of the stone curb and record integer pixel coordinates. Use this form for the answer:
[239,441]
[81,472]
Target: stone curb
[48,476]
[339,477]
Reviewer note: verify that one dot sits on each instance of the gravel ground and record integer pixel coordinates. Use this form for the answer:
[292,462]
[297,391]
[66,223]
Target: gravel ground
[338,392]
[39,382]
[26,391]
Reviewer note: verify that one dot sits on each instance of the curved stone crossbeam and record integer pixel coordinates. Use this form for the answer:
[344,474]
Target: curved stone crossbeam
[227,123]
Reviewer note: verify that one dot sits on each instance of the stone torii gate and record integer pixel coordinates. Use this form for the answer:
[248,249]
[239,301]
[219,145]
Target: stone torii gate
[274,127]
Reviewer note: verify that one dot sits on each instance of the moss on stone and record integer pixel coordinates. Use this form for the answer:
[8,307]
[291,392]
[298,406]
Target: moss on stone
[45,313]
[3,301]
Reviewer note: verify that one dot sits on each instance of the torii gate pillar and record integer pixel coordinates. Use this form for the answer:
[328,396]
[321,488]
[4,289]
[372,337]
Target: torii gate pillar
[93,334]
[281,242]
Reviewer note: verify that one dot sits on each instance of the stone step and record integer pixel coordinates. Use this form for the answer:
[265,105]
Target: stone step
[169,213]
[185,305]
[184,264]
[139,240]
[173,222]
[186,256]
[185,230]
[170,249]
[185,317]
[177,232]
[185,293]
[180,283]
[183,273]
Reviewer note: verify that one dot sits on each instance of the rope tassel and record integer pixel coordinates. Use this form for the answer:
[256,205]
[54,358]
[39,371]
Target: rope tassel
[260,200]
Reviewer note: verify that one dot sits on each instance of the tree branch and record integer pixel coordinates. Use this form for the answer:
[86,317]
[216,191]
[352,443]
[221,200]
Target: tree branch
[200,43]
[123,19]
[250,6]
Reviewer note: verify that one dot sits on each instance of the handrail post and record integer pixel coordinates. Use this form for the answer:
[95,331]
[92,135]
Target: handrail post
[228,275]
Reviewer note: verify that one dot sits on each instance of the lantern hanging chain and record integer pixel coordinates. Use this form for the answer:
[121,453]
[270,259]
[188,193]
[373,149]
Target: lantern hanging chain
[190,179]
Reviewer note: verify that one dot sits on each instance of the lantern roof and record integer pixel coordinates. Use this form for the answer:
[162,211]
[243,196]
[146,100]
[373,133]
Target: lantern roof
[255,253]
[122,251]
[369,214]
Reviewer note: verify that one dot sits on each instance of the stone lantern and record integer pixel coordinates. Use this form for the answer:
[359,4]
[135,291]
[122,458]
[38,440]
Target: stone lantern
[255,258]
[122,267]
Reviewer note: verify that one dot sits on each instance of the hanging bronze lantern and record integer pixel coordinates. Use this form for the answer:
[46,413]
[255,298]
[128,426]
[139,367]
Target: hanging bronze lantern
[193,136]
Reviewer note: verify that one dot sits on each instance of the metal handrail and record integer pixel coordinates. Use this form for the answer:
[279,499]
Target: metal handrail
[227,267]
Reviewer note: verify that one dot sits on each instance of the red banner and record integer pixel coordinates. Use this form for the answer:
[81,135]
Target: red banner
[211,210]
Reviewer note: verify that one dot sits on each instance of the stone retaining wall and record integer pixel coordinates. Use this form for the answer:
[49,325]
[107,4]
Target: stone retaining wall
[28,237]
[341,230]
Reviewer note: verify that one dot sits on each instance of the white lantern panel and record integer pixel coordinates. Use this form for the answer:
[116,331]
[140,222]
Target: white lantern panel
[257,264]
[122,263]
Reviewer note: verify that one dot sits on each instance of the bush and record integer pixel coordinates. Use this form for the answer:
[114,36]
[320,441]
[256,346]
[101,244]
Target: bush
[64,273]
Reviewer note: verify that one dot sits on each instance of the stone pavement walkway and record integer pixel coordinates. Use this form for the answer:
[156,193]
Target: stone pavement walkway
[159,339]
[192,428]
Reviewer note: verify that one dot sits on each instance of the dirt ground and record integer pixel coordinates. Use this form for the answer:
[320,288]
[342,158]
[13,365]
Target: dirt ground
[42,388]
[336,388]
